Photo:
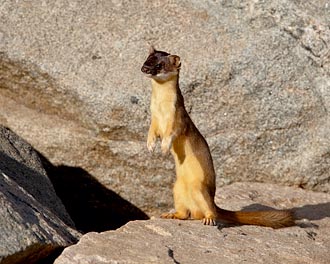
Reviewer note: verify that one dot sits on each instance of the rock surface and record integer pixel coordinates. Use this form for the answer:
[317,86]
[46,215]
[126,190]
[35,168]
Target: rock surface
[173,241]
[22,164]
[33,220]
[255,76]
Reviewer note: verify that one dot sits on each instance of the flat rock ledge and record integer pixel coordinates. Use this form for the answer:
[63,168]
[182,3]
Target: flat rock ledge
[174,241]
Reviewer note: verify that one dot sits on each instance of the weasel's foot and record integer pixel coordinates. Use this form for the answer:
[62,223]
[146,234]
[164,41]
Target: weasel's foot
[209,221]
[173,216]
[166,144]
[168,215]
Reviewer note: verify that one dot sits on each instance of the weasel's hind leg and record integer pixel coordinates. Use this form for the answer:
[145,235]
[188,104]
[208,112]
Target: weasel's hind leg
[206,208]
[181,210]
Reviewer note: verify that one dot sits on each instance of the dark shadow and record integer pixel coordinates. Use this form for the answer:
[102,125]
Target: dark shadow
[91,205]
[51,257]
[221,225]
[313,211]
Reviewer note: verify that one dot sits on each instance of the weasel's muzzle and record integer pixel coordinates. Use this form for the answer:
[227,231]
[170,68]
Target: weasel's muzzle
[145,69]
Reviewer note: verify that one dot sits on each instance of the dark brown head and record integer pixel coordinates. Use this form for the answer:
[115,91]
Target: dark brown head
[161,65]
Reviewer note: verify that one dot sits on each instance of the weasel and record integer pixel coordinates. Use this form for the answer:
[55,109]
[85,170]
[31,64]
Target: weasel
[194,189]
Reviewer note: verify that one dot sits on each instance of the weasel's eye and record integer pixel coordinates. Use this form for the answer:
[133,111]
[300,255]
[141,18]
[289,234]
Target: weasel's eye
[158,66]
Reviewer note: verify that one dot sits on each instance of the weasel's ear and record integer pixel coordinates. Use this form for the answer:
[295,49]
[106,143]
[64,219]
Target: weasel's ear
[151,49]
[175,60]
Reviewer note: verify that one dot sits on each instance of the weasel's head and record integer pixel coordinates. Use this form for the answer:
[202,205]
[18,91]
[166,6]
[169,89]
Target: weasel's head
[161,66]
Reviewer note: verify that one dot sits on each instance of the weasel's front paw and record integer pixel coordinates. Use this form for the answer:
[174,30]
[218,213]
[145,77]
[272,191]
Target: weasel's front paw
[151,144]
[166,144]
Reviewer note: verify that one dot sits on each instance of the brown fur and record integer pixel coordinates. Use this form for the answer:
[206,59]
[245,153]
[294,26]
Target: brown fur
[194,188]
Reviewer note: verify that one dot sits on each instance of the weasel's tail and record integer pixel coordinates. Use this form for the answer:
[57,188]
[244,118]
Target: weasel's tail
[270,218]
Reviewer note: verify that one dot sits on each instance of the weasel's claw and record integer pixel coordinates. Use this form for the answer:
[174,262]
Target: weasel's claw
[209,221]
[151,146]
[166,144]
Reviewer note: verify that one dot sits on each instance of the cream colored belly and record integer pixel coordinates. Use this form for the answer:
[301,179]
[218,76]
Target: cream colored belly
[190,170]
[164,114]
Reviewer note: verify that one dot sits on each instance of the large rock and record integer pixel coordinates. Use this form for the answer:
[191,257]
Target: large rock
[33,221]
[22,164]
[255,76]
[174,241]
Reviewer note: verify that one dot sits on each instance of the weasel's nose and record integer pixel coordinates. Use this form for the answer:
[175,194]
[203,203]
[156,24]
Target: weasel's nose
[145,69]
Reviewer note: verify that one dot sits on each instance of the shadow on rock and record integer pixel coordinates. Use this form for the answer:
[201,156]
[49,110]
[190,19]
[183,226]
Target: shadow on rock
[91,205]
[313,211]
